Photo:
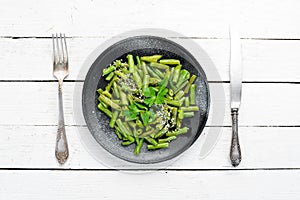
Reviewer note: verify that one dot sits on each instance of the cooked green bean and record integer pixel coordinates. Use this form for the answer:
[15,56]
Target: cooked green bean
[188,114]
[105,110]
[159,66]
[138,147]
[148,100]
[168,139]
[116,90]
[193,94]
[170,61]
[113,119]
[176,73]
[110,76]
[191,81]
[109,102]
[151,141]
[137,79]
[108,70]
[138,61]
[158,146]
[153,58]
[178,132]
[130,63]
[179,95]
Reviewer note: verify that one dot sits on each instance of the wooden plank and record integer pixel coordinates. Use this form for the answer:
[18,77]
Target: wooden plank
[227,185]
[106,18]
[263,60]
[35,103]
[33,147]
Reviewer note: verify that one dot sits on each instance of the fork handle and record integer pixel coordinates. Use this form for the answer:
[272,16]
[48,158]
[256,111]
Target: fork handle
[61,149]
[235,150]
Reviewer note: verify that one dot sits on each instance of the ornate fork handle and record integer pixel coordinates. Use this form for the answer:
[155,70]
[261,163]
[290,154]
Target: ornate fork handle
[235,150]
[61,149]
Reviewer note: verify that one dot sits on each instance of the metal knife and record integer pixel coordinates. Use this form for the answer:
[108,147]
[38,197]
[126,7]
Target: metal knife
[236,92]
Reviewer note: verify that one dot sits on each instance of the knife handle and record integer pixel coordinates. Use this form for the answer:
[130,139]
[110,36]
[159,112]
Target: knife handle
[235,150]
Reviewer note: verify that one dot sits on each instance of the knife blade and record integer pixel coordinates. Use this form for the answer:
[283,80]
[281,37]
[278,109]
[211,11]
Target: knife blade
[235,92]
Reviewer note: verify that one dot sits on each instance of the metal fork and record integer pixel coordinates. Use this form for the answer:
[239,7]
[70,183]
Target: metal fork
[60,72]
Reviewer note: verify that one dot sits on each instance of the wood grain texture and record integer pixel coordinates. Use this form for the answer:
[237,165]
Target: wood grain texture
[168,185]
[257,19]
[263,60]
[33,147]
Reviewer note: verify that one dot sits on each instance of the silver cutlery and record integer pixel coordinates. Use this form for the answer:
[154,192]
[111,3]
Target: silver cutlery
[236,92]
[60,72]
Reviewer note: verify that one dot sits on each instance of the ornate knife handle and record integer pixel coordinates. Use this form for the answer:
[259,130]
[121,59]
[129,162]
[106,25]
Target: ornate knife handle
[235,150]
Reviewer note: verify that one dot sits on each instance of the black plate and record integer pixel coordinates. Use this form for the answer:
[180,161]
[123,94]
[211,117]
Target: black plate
[98,122]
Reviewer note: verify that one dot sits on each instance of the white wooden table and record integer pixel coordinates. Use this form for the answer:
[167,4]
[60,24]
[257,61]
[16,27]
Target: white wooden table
[269,116]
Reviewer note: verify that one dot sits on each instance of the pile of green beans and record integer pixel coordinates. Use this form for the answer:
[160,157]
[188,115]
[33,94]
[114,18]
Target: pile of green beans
[146,99]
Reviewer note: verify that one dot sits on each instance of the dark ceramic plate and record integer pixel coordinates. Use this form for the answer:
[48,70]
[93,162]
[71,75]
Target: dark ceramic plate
[98,122]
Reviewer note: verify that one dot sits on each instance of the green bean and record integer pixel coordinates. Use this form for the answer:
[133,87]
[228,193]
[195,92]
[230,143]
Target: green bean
[151,141]
[146,81]
[153,58]
[147,133]
[140,72]
[99,90]
[119,135]
[171,73]
[129,132]
[153,81]
[104,105]
[173,102]
[113,119]
[161,132]
[181,86]
[174,115]
[168,139]
[110,75]
[105,110]
[170,61]
[176,73]
[127,143]
[191,81]
[130,63]
[107,94]
[193,94]
[120,74]
[138,147]
[108,87]
[144,68]
[123,129]
[109,102]
[187,101]
[179,95]
[139,131]
[158,146]
[180,114]
[108,70]
[159,73]
[152,73]
[123,98]
[141,106]
[138,61]
[137,79]
[190,108]
[116,90]
[181,100]
[178,132]
[183,75]
[159,66]
[188,114]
